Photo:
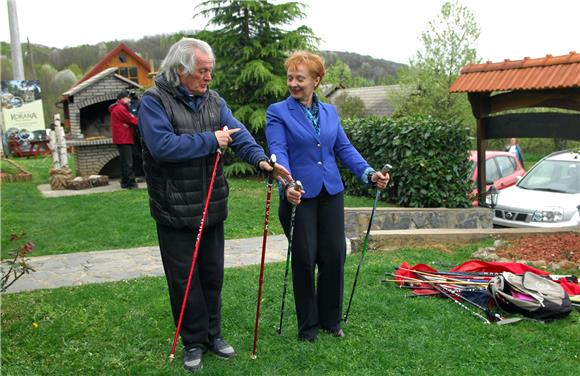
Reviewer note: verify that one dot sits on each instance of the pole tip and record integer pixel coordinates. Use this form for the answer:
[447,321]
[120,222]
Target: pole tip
[253,356]
[171,357]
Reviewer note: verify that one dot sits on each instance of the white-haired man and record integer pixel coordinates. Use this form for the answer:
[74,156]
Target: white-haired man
[181,122]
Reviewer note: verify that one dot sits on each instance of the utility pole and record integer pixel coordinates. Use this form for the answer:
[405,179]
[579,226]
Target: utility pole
[17,64]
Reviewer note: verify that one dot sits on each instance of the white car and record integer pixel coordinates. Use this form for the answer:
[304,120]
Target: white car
[547,196]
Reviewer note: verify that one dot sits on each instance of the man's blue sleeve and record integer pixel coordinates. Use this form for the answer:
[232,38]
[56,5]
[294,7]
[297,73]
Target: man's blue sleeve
[161,140]
[244,144]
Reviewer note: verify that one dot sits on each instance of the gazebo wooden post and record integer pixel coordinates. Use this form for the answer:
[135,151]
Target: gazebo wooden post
[480,105]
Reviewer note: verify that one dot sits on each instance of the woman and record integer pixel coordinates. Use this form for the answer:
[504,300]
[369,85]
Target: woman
[306,136]
[514,148]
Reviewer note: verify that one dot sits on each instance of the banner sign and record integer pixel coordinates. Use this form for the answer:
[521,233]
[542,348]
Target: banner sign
[22,105]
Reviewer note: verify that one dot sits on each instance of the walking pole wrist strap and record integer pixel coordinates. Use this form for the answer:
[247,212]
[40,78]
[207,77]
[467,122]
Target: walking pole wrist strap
[370,178]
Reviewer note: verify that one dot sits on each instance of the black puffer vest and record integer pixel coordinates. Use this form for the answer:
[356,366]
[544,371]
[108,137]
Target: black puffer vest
[177,191]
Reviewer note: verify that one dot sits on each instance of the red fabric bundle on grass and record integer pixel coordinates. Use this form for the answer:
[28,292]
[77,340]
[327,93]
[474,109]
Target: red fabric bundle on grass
[476,266]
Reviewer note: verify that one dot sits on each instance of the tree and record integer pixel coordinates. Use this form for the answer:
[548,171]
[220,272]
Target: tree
[349,106]
[447,46]
[75,70]
[250,46]
[46,74]
[339,74]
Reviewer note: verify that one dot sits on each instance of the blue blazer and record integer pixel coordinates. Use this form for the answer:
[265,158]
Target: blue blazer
[309,157]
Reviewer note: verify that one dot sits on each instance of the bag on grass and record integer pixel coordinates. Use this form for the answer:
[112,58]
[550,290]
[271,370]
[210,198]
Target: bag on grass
[531,295]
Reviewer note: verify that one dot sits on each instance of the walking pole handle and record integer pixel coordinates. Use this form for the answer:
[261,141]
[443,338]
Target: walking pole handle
[298,186]
[272,163]
[224,128]
[386,168]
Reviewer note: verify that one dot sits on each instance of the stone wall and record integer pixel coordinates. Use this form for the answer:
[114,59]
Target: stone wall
[105,90]
[357,219]
[91,154]
[90,158]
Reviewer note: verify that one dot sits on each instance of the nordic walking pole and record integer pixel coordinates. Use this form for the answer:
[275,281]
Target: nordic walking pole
[456,301]
[196,250]
[386,169]
[272,162]
[298,187]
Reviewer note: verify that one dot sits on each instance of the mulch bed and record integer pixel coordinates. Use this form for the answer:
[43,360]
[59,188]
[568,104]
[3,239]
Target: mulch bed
[550,248]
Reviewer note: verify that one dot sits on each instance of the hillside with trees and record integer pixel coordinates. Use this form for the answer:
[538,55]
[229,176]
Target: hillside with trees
[58,69]
[379,71]
[82,58]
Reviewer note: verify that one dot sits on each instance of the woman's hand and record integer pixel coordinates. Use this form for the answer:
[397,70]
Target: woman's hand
[294,193]
[380,180]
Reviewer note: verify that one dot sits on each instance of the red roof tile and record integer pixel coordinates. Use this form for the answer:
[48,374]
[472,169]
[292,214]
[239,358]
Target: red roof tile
[549,72]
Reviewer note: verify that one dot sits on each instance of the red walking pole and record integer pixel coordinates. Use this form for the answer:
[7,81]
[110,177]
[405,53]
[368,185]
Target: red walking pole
[266,217]
[197,242]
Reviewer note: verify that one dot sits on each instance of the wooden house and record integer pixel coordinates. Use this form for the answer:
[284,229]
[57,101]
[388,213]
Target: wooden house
[131,66]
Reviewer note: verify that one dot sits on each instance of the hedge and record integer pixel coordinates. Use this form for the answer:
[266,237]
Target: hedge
[429,159]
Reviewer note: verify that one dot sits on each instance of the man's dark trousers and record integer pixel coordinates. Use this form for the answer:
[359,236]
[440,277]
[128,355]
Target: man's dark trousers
[127,173]
[202,318]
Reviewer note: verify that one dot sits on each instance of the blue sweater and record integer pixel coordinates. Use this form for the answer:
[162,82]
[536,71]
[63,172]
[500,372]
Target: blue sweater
[167,146]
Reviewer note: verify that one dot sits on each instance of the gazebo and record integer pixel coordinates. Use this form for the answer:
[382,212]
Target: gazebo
[498,92]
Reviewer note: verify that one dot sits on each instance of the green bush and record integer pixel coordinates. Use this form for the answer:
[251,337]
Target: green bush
[349,107]
[429,159]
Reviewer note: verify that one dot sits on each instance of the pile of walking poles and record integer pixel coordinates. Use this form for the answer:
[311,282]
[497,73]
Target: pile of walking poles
[493,292]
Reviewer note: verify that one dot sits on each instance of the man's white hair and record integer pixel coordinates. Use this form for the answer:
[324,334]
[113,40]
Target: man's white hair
[181,58]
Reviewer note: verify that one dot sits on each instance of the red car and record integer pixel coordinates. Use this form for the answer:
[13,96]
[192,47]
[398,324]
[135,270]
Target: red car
[502,169]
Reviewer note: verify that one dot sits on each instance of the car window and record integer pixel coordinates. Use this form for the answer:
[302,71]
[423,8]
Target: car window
[491,171]
[506,165]
[557,176]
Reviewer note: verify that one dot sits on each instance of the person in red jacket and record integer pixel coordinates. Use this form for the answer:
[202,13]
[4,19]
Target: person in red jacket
[123,125]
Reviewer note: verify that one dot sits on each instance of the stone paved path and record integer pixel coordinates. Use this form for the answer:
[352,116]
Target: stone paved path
[75,269]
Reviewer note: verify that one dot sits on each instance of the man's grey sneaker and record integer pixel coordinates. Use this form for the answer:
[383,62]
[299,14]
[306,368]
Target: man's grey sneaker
[221,348]
[192,359]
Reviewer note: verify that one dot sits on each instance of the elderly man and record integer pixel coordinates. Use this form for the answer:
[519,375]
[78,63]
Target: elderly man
[181,123]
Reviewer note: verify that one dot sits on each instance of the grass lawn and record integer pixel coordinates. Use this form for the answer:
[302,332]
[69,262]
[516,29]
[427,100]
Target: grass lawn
[117,220]
[125,328]
[531,159]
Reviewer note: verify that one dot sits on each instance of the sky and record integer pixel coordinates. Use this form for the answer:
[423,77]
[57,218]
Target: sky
[386,29]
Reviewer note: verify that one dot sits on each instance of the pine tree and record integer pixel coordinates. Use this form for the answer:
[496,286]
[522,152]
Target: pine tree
[250,46]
